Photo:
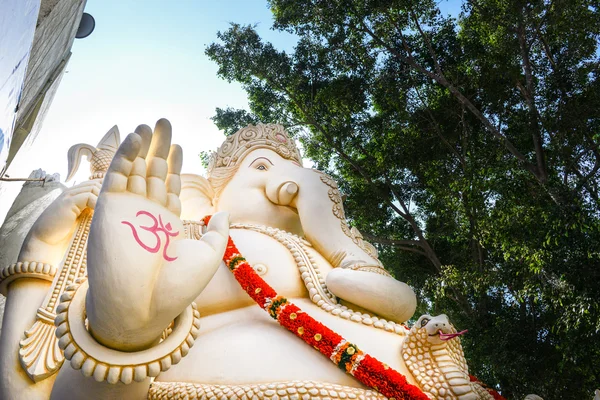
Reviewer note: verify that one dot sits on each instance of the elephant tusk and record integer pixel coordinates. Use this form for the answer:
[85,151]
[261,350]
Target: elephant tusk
[287,192]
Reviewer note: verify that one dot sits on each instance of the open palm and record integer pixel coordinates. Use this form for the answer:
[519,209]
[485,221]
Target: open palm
[142,271]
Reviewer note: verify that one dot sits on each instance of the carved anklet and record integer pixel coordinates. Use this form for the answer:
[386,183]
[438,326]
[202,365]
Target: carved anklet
[114,366]
[26,269]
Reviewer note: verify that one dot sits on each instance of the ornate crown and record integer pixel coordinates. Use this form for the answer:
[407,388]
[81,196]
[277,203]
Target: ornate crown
[262,136]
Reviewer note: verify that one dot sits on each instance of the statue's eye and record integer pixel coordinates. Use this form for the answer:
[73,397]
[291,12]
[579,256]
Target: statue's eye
[424,322]
[261,164]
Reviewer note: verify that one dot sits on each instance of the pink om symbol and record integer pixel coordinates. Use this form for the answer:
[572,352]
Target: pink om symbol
[157,227]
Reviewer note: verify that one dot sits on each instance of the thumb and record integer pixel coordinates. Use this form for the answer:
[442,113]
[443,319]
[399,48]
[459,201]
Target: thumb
[196,263]
[217,235]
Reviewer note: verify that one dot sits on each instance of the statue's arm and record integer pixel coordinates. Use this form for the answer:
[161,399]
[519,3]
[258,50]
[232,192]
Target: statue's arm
[381,294]
[24,296]
[45,243]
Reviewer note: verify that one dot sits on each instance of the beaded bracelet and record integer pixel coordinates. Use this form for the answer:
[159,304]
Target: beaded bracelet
[113,366]
[26,269]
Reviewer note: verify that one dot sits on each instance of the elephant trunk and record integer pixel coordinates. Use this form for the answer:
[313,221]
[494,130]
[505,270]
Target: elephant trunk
[284,194]
[317,200]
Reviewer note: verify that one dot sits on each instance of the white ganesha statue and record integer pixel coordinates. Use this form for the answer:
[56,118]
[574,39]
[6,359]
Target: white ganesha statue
[123,289]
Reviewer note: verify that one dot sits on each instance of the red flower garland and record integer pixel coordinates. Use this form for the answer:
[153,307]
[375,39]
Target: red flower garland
[347,356]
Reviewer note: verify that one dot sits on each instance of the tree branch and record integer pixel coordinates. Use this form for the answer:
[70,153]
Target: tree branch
[546,48]
[529,94]
[441,79]
[437,130]
[432,52]
[404,213]
[402,244]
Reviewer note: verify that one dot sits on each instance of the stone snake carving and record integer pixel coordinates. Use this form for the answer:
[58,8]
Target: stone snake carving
[434,356]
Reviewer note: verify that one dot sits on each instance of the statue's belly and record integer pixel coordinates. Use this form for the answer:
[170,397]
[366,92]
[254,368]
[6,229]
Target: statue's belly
[240,343]
[247,346]
[273,262]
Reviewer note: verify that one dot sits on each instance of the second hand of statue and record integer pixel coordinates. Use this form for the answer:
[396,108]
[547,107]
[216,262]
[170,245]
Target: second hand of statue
[142,272]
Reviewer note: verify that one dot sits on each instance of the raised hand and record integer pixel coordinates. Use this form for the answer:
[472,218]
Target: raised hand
[52,231]
[142,271]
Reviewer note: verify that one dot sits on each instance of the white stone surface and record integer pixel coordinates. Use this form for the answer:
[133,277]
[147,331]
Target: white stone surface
[27,207]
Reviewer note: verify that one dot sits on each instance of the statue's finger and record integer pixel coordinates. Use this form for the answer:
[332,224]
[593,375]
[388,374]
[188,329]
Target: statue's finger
[137,178]
[88,184]
[122,163]
[145,133]
[83,201]
[161,140]
[95,189]
[86,187]
[175,162]
[136,183]
[173,182]
[157,168]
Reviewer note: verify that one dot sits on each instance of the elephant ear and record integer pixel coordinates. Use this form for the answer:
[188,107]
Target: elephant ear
[196,197]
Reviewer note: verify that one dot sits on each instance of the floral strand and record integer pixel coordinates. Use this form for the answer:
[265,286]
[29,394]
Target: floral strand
[347,356]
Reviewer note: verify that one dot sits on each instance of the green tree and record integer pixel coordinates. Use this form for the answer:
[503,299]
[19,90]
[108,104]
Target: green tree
[469,153]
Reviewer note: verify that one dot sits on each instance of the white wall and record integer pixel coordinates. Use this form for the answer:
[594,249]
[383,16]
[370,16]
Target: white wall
[17,26]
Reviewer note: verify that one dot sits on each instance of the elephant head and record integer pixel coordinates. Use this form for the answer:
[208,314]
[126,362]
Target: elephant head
[258,177]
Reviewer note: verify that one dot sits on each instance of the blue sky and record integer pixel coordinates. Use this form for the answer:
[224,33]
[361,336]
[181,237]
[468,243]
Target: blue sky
[145,60]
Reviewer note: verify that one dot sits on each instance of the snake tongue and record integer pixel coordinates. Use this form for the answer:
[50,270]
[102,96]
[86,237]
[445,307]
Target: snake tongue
[448,336]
